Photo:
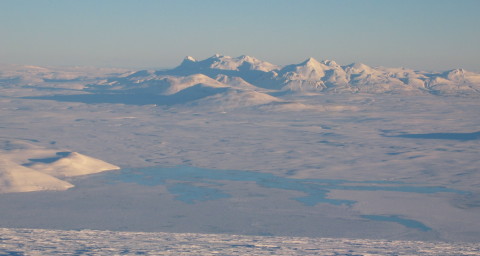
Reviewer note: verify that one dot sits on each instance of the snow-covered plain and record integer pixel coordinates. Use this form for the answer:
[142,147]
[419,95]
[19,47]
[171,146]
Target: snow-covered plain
[240,146]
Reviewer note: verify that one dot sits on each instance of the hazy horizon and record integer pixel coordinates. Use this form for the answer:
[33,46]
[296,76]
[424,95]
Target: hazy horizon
[422,35]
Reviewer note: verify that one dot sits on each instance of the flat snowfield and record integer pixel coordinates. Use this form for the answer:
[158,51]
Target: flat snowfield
[91,242]
[245,148]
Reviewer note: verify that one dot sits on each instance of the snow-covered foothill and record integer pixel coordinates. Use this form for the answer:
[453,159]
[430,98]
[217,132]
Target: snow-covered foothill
[236,99]
[25,167]
[17,178]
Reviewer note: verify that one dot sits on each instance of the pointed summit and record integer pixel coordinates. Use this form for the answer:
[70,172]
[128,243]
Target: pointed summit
[188,63]
[189,58]
[310,62]
[310,69]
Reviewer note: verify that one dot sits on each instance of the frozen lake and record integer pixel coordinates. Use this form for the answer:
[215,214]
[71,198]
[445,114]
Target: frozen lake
[190,199]
[194,185]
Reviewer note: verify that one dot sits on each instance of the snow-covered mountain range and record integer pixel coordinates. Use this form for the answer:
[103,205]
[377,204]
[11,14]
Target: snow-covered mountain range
[231,82]
[249,73]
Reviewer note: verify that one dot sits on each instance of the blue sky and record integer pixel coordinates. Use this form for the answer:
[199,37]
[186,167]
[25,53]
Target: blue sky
[421,34]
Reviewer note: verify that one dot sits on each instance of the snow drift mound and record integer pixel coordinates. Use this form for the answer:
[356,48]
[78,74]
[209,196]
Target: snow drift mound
[25,167]
[73,164]
[17,178]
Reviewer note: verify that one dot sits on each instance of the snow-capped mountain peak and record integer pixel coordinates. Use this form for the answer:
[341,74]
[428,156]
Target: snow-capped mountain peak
[310,61]
[310,70]
[190,58]
[222,62]
[241,62]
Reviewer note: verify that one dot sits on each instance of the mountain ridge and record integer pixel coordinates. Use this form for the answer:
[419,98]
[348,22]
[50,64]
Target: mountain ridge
[312,75]
[260,82]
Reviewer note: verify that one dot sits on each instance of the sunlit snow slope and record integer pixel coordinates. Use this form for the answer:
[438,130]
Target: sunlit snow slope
[25,167]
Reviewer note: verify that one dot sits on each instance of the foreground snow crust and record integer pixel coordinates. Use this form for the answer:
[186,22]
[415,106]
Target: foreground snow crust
[93,242]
